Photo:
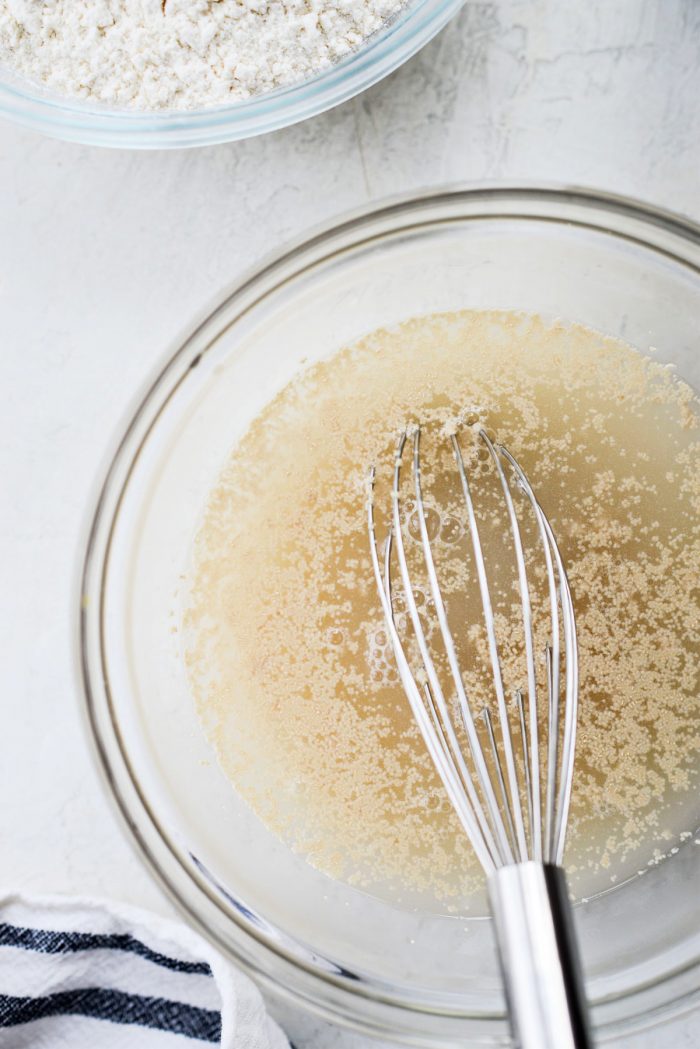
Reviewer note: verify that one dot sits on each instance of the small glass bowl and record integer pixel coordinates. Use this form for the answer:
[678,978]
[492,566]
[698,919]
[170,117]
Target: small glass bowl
[417,977]
[101,125]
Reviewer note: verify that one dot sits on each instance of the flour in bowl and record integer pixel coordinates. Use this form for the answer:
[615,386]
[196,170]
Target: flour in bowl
[181,54]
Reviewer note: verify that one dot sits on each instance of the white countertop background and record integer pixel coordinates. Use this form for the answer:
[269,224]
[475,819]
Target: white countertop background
[105,256]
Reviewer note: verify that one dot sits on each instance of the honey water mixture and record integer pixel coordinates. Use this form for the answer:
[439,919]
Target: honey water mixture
[287,651]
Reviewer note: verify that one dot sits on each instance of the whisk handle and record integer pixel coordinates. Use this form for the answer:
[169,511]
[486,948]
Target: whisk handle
[539,957]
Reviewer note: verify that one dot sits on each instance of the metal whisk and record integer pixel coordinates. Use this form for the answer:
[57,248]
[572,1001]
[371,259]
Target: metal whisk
[512,800]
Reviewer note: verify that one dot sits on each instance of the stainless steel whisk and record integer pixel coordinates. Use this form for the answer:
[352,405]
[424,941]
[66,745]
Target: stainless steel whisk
[517,834]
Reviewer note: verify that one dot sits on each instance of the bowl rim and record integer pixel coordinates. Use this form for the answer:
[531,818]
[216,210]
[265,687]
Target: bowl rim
[94,123]
[292,978]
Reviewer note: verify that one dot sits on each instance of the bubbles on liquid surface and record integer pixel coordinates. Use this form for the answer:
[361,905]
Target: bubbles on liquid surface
[451,530]
[432,524]
[441,526]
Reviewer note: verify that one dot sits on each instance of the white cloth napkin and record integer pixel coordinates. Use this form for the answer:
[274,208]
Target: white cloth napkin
[78,973]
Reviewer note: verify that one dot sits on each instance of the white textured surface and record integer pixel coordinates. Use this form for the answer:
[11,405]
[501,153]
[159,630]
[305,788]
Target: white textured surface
[105,256]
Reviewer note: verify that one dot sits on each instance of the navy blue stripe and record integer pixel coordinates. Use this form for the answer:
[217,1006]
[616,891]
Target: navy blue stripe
[116,1007]
[47,942]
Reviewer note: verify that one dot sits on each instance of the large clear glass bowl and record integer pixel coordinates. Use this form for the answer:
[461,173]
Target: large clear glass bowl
[101,125]
[419,977]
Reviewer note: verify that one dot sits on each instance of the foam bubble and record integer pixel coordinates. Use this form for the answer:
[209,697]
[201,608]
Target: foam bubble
[451,530]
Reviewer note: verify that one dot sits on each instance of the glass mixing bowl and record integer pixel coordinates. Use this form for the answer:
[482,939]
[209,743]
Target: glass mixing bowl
[422,978]
[101,125]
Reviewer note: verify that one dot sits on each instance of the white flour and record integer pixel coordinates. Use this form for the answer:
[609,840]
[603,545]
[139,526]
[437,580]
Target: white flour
[182,54]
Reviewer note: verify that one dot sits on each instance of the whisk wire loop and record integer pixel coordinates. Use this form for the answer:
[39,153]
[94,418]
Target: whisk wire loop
[446,738]
[489,622]
[477,753]
[492,804]
[561,602]
[460,792]
[551,651]
[526,607]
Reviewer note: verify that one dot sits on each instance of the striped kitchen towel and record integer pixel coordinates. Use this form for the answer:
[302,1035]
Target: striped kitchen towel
[81,973]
